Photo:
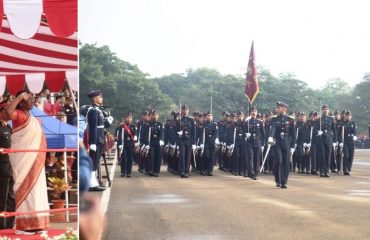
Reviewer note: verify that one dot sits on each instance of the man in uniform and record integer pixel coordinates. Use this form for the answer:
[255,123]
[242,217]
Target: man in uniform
[156,143]
[140,126]
[7,197]
[303,144]
[210,136]
[282,132]
[327,139]
[347,137]
[186,141]
[126,142]
[255,133]
[239,148]
[221,133]
[171,140]
[96,124]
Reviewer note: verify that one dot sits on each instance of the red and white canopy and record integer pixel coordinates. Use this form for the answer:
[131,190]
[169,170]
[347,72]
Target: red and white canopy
[24,16]
[44,57]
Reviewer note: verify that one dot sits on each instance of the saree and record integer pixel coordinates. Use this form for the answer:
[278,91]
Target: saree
[29,172]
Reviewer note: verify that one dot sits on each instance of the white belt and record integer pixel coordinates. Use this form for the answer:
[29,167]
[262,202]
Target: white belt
[100,127]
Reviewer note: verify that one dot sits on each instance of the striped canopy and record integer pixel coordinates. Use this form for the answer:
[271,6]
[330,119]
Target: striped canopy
[43,58]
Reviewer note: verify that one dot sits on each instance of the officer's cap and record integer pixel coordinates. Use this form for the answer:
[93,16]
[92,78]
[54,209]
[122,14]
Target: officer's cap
[253,108]
[314,113]
[145,113]
[153,112]
[184,107]
[343,112]
[94,93]
[336,112]
[232,115]
[129,114]
[302,114]
[240,113]
[281,104]
[208,113]
[348,113]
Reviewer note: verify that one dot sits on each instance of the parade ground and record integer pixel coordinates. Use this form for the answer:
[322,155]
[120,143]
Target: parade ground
[232,207]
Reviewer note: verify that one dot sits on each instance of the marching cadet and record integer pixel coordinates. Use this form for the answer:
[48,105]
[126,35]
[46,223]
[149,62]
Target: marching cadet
[156,143]
[222,137]
[295,155]
[327,138]
[240,166]
[229,141]
[116,136]
[347,137]
[186,141]
[96,124]
[255,133]
[270,159]
[209,139]
[171,140]
[126,142]
[144,142]
[199,120]
[336,156]
[303,144]
[282,132]
[313,122]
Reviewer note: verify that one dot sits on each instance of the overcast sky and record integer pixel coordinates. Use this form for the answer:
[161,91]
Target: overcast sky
[315,40]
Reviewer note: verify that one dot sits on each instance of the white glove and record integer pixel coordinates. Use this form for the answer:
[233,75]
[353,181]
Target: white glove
[93,147]
[334,144]
[120,146]
[135,138]
[147,147]
[354,138]
[270,140]
[110,119]
[262,148]
[341,145]
[217,141]
[248,135]
[193,147]
[161,143]
[137,144]
[232,146]
[292,151]
[305,145]
[201,146]
[180,133]
[309,145]
[319,133]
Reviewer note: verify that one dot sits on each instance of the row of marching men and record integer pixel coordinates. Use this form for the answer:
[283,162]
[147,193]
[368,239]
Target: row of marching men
[239,144]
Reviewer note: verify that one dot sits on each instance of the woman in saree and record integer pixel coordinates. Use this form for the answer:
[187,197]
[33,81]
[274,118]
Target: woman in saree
[28,167]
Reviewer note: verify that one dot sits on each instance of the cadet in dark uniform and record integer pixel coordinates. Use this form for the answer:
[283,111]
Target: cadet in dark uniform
[141,140]
[7,197]
[126,142]
[186,140]
[314,151]
[229,141]
[348,143]
[239,148]
[336,155]
[222,137]
[156,143]
[327,138]
[270,159]
[282,130]
[171,140]
[210,132]
[255,133]
[303,144]
[96,124]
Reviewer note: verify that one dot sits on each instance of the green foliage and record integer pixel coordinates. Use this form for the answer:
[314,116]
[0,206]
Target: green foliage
[127,89]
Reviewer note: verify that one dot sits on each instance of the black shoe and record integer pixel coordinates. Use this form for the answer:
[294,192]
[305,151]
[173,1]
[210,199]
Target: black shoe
[322,175]
[254,178]
[278,185]
[96,189]
[284,186]
[128,176]
[245,175]
[122,175]
[334,171]
[326,175]
[184,176]
[209,174]
[155,175]
[346,173]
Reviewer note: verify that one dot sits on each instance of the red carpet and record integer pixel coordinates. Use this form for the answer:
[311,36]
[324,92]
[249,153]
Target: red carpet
[10,233]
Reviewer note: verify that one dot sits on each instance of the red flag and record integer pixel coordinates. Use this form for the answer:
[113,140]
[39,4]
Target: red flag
[251,84]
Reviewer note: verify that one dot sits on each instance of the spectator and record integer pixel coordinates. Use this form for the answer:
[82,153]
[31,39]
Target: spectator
[49,106]
[59,104]
[69,110]
[61,116]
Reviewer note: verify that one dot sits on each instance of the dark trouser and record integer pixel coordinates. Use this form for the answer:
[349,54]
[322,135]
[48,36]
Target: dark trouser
[239,159]
[348,154]
[7,201]
[96,155]
[333,160]
[338,154]
[127,158]
[281,164]
[155,156]
[314,154]
[324,154]
[209,158]
[220,158]
[185,154]
[253,161]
